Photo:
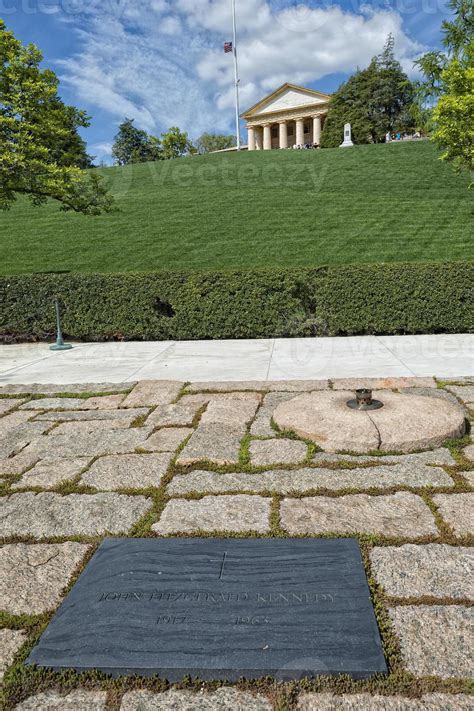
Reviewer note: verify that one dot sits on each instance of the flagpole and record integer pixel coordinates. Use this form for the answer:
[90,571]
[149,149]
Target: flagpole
[236,77]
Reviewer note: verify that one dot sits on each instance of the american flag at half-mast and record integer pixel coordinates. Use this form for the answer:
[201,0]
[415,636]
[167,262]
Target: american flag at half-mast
[228,47]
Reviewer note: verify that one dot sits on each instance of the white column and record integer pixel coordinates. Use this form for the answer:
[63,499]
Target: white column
[299,132]
[317,129]
[258,138]
[251,138]
[283,135]
[267,137]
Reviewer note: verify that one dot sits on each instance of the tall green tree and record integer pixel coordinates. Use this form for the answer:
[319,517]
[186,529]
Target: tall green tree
[134,145]
[209,142]
[449,80]
[375,100]
[40,149]
[176,143]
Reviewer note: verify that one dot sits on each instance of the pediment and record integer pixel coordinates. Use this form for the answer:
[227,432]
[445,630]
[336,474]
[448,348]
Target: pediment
[287,97]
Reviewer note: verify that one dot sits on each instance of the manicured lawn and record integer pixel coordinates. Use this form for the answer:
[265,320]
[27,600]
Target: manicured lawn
[280,208]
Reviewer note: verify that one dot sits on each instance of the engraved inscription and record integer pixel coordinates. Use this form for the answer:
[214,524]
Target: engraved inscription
[203,596]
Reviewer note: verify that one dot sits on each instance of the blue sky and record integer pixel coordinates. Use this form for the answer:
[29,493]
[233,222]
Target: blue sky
[162,63]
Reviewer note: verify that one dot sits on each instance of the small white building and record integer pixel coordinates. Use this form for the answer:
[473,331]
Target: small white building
[290,115]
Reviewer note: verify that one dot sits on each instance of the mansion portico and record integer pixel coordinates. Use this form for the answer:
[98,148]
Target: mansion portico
[290,115]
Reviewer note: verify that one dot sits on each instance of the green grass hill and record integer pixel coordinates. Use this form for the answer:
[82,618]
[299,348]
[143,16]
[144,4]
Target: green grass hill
[387,203]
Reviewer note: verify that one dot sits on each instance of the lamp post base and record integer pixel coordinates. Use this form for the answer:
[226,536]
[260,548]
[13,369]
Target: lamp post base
[60,347]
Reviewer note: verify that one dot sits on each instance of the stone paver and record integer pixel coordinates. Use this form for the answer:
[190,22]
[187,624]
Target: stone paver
[180,414]
[59,388]
[167,439]
[93,415]
[261,426]
[406,423]
[10,643]
[435,456]
[128,471]
[9,404]
[89,444]
[434,570]
[277,451]
[234,413]
[301,480]
[55,403]
[17,464]
[469,476]
[215,513]
[215,443]
[84,426]
[47,514]
[77,700]
[463,392]
[14,440]
[398,515]
[49,473]
[435,640]
[367,702]
[223,699]
[469,452]
[153,392]
[458,511]
[293,386]
[382,383]
[33,576]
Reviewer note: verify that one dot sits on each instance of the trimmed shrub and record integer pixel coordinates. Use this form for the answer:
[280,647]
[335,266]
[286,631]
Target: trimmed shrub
[374,298]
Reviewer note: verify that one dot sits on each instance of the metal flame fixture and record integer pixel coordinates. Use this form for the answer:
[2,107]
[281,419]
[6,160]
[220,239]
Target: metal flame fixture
[364,401]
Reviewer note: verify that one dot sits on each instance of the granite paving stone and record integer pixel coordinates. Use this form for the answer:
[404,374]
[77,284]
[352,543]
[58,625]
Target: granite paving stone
[239,513]
[93,415]
[10,643]
[13,420]
[33,576]
[179,414]
[84,426]
[127,471]
[434,570]
[77,700]
[434,456]
[167,439]
[396,515]
[434,639]
[89,444]
[54,403]
[463,392]
[277,451]
[215,443]
[223,699]
[234,413]
[469,452]
[301,480]
[14,440]
[382,383]
[48,473]
[458,511]
[104,402]
[294,386]
[56,388]
[17,464]
[431,392]
[261,426]
[9,404]
[153,392]
[469,476]
[375,702]
[48,514]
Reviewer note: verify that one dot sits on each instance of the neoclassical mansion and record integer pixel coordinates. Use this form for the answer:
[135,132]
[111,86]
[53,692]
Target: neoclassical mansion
[290,115]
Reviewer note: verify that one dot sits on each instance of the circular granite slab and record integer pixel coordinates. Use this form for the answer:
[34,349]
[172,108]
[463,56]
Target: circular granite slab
[406,423]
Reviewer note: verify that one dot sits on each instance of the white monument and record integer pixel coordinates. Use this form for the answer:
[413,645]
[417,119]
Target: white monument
[347,137]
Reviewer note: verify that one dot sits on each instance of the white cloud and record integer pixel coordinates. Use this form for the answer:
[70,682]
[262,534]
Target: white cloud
[163,64]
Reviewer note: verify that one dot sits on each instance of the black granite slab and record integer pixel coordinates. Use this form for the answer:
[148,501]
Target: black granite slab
[218,609]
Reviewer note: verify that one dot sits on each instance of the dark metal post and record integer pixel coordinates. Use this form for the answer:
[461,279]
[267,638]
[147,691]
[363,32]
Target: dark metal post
[59,345]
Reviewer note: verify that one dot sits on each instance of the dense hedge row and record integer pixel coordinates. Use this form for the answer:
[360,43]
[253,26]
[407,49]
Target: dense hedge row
[377,298]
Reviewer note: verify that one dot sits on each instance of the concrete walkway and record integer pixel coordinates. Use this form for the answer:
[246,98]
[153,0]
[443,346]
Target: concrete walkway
[443,356]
